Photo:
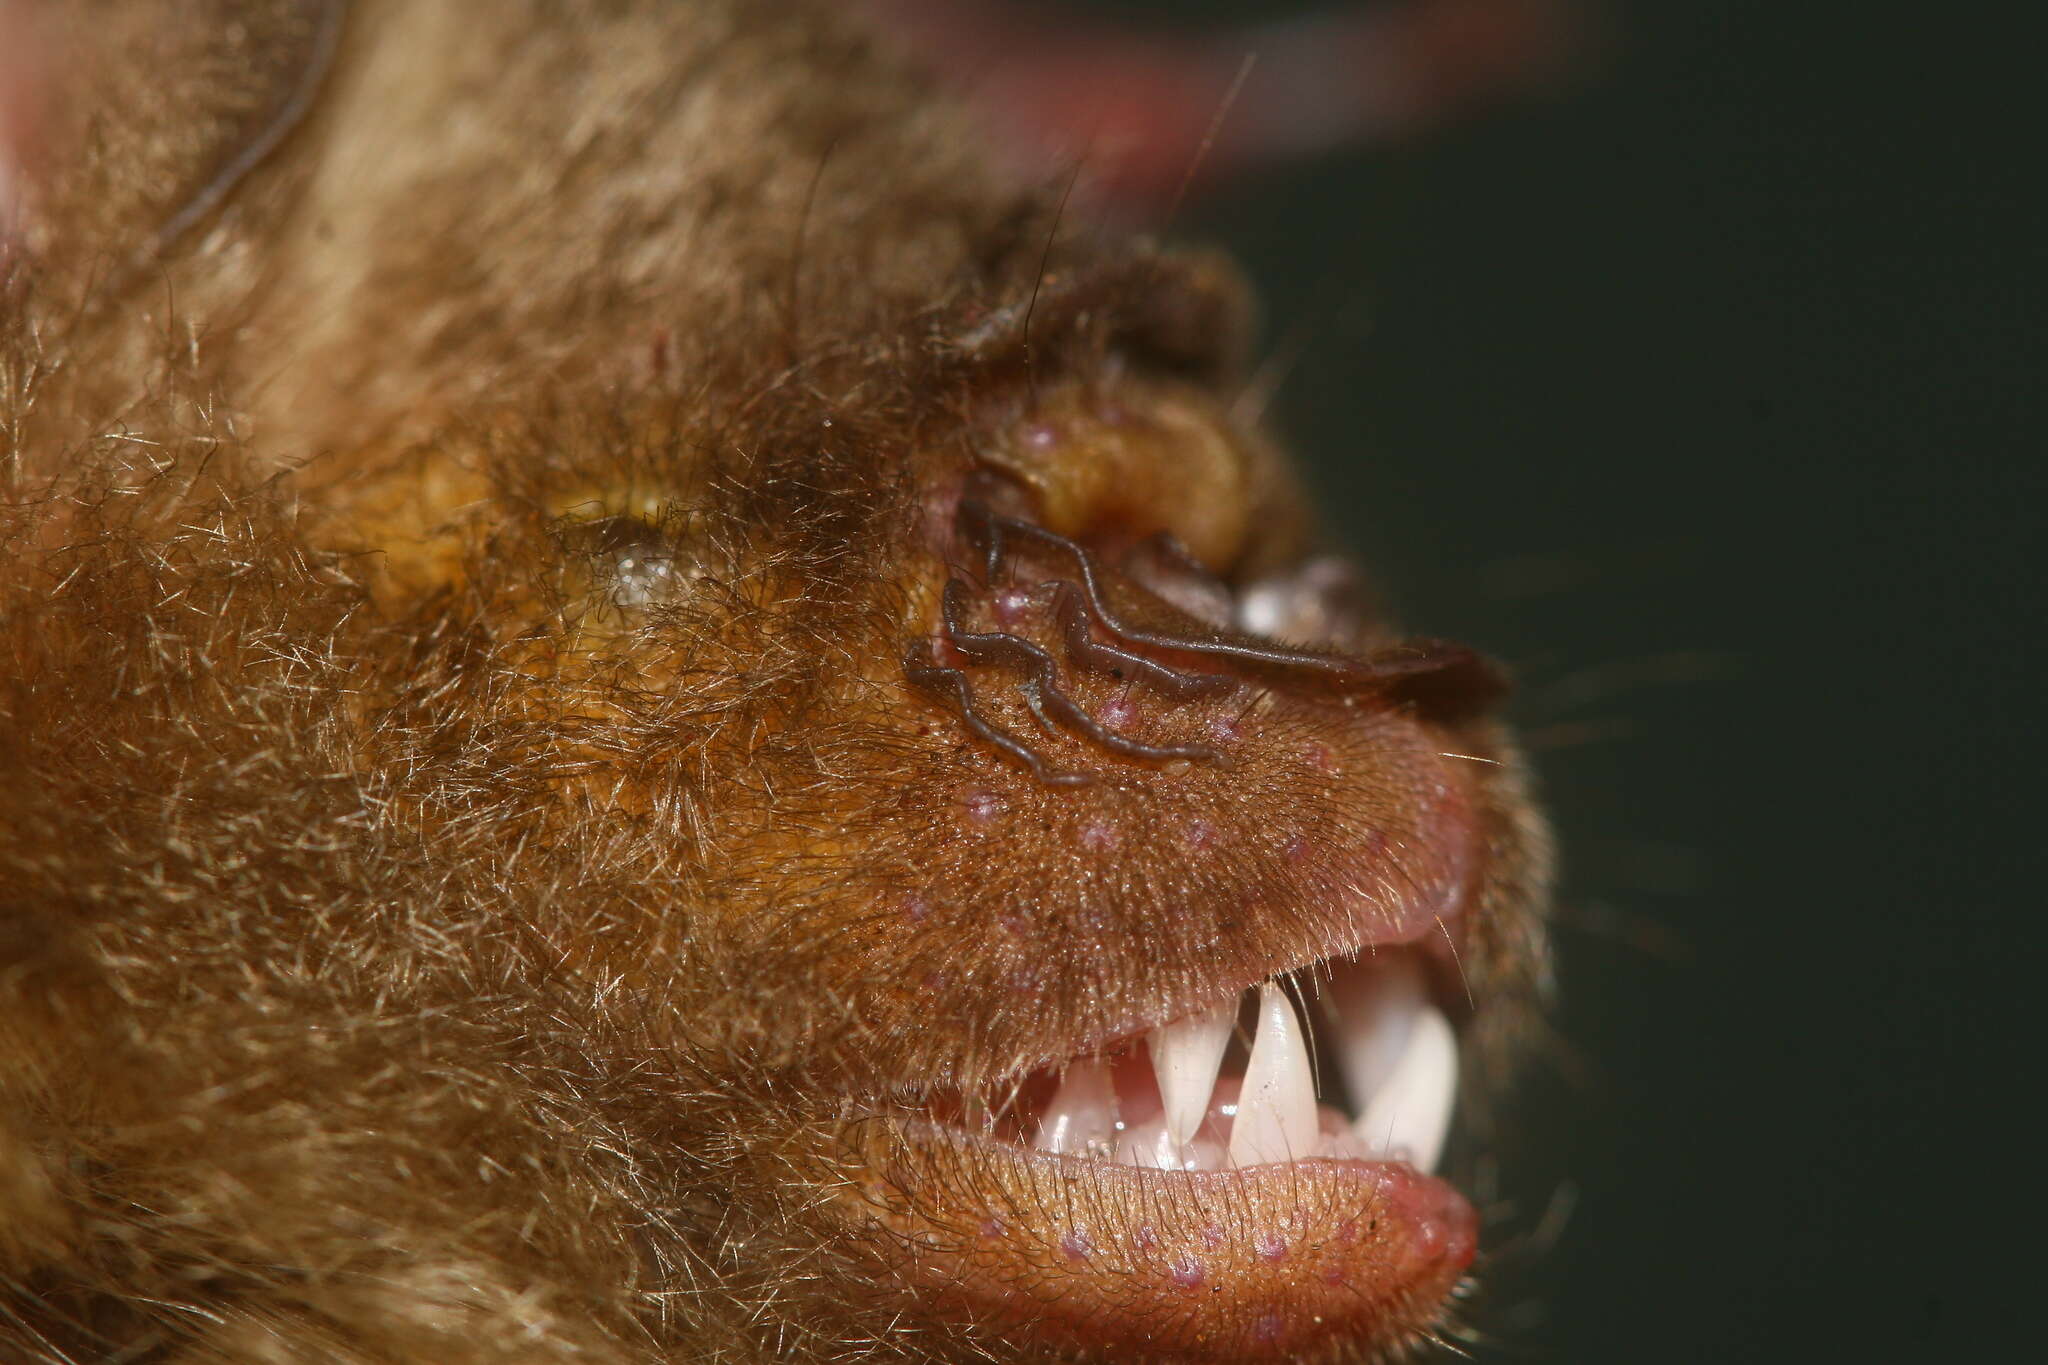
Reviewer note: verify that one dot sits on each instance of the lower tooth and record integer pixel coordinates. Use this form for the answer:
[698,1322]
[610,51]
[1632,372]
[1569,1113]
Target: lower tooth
[1081,1120]
[1152,1145]
[1185,1056]
[1346,1146]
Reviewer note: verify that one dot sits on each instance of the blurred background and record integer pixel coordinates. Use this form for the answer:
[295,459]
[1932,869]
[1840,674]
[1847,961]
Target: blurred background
[1698,390]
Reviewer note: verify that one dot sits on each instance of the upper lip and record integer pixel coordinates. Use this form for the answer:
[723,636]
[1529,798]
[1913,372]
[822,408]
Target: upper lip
[1403,911]
[1413,923]
[1337,826]
[1049,921]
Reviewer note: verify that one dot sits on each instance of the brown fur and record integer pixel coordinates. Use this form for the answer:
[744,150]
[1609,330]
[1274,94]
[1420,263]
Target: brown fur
[409,951]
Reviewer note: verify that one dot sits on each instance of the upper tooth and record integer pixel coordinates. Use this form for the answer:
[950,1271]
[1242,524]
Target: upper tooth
[1186,1055]
[1411,1110]
[1082,1116]
[1375,1010]
[1276,1110]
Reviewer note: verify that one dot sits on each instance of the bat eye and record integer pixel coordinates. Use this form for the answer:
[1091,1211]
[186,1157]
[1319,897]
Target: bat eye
[631,562]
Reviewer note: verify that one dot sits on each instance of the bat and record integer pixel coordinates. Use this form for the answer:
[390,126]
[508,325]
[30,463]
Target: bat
[654,706]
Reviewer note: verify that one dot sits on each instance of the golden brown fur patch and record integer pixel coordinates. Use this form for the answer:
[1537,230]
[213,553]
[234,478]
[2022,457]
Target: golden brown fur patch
[413,946]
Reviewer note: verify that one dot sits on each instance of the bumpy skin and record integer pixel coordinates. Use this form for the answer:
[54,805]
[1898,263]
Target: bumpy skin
[491,867]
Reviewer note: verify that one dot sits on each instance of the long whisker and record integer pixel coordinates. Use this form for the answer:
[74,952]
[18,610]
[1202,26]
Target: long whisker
[1208,143]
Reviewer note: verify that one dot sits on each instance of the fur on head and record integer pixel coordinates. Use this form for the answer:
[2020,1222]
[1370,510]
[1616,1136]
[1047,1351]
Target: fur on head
[529,811]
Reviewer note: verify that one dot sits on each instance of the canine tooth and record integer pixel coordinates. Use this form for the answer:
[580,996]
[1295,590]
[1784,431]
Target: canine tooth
[1374,1009]
[1411,1111]
[1082,1116]
[1186,1055]
[1276,1112]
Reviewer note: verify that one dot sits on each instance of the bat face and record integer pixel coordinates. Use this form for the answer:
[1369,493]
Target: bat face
[653,717]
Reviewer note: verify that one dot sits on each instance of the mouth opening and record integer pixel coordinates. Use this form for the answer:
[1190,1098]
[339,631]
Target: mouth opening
[1346,1059]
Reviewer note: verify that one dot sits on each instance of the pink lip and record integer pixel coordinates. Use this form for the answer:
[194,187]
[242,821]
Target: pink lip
[1259,1263]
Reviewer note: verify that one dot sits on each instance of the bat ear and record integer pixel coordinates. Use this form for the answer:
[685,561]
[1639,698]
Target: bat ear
[23,69]
[1152,112]
[124,123]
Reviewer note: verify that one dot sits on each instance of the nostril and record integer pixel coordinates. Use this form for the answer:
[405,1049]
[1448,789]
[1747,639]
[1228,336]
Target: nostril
[996,492]
[1163,567]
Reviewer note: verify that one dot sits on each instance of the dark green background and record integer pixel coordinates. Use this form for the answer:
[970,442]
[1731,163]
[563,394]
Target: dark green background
[1701,395]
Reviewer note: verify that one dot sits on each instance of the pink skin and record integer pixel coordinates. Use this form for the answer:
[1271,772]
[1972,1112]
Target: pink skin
[22,67]
[1148,110]
[1263,1263]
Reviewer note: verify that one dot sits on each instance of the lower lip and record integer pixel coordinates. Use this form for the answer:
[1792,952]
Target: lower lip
[1255,1263]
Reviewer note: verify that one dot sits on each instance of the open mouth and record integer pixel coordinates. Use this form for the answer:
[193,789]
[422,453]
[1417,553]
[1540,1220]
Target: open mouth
[1234,1157]
[1248,1181]
[1348,1060]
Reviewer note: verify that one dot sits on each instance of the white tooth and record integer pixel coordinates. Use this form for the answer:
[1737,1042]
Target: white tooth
[1205,1154]
[1276,1112]
[1149,1144]
[1346,1146]
[1082,1116]
[1411,1110]
[1186,1055]
[1374,1007]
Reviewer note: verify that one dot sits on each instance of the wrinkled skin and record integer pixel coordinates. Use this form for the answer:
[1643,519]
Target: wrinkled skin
[505,830]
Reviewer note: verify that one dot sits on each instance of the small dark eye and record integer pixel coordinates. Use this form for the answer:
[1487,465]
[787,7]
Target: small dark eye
[631,562]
